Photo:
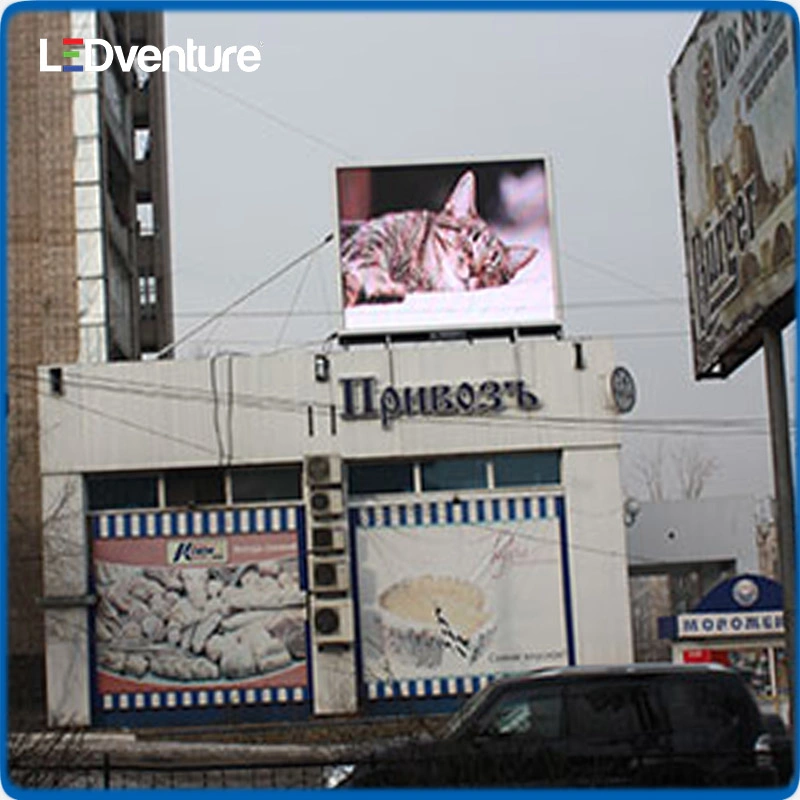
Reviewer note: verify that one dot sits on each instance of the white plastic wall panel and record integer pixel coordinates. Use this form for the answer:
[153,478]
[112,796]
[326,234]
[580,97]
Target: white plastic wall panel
[65,574]
[598,556]
[90,266]
[271,396]
[87,208]
[87,158]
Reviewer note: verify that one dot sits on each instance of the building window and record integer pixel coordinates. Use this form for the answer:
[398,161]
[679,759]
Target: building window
[145,219]
[454,473]
[195,487]
[527,469]
[120,300]
[142,77]
[106,492]
[142,142]
[266,483]
[114,92]
[380,478]
[148,290]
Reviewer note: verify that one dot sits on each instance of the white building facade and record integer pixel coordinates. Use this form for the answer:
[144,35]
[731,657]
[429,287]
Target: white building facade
[365,530]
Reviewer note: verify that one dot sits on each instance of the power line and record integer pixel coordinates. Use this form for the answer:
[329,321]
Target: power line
[318,140]
[588,304]
[138,427]
[321,312]
[249,293]
[179,392]
[706,427]
[298,289]
[608,272]
[582,337]
[272,117]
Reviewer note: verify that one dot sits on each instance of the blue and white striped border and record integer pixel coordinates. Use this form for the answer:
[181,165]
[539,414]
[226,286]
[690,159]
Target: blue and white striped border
[448,512]
[427,687]
[149,524]
[203,698]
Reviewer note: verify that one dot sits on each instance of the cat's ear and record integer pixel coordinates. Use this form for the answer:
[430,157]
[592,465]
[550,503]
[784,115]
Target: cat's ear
[461,202]
[519,256]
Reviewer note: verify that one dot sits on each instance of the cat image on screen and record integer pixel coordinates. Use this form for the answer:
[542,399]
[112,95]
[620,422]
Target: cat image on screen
[453,249]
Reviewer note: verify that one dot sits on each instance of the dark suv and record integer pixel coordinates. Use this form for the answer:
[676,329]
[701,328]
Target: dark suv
[638,725]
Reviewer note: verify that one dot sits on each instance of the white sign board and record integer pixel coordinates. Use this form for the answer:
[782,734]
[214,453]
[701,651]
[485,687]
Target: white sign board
[460,600]
[746,623]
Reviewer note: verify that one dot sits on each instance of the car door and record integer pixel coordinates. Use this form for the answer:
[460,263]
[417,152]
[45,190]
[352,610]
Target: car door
[711,723]
[612,731]
[517,739]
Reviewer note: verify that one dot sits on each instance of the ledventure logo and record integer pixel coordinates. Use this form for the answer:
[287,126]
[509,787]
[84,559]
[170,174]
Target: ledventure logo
[97,55]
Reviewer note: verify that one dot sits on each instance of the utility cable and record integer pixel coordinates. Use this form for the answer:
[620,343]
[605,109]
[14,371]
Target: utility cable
[291,127]
[248,294]
[295,297]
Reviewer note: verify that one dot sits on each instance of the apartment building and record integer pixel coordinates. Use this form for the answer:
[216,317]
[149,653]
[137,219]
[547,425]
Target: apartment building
[88,254]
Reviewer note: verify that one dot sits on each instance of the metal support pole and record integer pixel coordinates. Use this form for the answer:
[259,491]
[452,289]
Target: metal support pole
[784,492]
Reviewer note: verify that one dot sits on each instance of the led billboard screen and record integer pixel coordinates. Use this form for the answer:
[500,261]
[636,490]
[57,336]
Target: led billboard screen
[446,246]
[733,104]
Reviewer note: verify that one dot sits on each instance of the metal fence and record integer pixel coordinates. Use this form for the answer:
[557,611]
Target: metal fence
[106,774]
[382,771]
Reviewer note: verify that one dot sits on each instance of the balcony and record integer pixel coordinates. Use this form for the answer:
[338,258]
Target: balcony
[141,106]
[145,254]
[119,232]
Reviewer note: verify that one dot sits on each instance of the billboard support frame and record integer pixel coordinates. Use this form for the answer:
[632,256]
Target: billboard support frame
[784,491]
[349,338]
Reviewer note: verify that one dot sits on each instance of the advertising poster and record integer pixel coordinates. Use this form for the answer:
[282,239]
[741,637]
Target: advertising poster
[444,246]
[199,612]
[460,600]
[733,98]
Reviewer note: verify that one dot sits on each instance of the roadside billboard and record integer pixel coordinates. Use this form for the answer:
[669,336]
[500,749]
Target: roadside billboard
[733,101]
[446,246]
[460,600]
[198,613]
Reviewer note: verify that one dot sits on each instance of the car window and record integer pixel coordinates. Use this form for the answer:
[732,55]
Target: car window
[609,711]
[461,721]
[534,712]
[702,713]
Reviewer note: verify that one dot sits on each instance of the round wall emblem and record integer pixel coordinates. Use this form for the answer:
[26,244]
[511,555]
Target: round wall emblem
[745,592]
[623,390]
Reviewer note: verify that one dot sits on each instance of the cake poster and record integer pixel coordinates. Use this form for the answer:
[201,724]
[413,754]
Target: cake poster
[460,600]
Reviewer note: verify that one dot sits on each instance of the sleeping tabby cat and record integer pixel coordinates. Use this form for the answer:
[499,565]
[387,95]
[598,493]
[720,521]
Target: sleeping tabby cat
[426,251]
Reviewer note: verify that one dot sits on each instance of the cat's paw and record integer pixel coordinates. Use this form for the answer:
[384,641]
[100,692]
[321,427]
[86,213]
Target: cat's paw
[378,287]
[387,294]
[351,287]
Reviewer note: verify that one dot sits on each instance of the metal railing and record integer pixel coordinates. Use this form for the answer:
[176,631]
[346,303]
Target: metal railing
[106,773]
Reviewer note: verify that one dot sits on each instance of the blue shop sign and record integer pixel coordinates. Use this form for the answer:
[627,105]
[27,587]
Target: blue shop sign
[746,605]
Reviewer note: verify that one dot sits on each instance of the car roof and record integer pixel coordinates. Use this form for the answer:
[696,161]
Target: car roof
[650,669]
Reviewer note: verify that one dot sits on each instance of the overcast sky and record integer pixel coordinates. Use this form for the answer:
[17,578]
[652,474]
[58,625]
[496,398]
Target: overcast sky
[252,160]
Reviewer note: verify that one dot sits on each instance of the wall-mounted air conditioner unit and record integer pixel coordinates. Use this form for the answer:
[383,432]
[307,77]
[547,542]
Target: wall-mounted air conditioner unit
[331,621]
[327,538]
[329,573]
[325,502]
[333,677]
[323,470]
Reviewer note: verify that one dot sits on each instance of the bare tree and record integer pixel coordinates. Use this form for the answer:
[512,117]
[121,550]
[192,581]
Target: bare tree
[681,470]
[693,469]
[649,469]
